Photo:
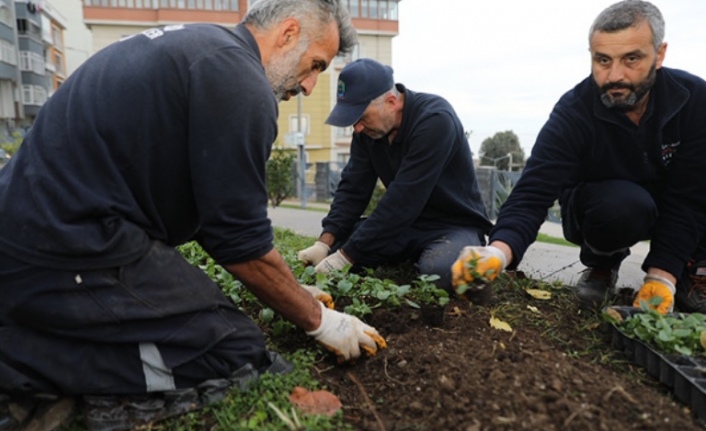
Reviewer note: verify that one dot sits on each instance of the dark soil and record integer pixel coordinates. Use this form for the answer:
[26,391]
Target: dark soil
[556,370]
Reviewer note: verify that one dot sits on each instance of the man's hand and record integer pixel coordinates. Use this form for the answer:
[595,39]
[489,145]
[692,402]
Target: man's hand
[345,335]
[333,262]
[655,286]
[319,295]
[476,265]
[314,254]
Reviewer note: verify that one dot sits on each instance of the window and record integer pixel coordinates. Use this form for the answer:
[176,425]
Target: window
[33,95]
[5,13]
[294,123]
[59,63]
[344,132]
[374,9]
[32,62]
[342,159]
[22,26]
[388,9]
[7,52]
[57,38]
[354,8]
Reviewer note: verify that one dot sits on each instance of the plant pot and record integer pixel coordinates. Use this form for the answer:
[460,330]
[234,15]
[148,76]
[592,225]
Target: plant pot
[433,314]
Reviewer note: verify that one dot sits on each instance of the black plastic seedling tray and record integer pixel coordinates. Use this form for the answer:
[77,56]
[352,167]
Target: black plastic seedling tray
[685,375]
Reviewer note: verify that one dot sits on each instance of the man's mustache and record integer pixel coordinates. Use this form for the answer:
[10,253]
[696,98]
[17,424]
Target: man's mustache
[617,85]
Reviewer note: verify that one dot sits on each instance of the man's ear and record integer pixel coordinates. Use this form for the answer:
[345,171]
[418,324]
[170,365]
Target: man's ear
[288,32]
[660,54]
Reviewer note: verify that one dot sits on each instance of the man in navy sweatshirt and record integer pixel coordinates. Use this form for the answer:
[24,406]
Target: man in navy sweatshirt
[416,146]
[624,153]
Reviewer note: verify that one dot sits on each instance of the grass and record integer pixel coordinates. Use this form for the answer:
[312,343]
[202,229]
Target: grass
[542,237]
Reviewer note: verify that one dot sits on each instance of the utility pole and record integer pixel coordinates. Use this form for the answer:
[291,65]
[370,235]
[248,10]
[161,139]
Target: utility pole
[302,153]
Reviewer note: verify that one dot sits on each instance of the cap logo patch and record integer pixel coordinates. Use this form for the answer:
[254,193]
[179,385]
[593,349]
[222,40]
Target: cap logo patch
[341,89]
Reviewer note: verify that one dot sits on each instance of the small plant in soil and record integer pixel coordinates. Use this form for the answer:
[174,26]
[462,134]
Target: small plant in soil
[426,292]
[478,280]
[672,333]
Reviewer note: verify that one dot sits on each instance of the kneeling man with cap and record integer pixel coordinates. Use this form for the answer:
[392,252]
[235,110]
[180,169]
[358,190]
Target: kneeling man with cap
[416,146]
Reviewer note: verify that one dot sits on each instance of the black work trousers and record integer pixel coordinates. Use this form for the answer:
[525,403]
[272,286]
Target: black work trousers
[156,324]
[606,218]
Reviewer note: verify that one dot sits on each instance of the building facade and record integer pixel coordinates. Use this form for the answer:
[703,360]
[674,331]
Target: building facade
[375,20]
[32,64]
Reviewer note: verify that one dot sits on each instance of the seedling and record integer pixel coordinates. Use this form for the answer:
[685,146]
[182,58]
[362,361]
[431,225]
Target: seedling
[478,280]
[672,333]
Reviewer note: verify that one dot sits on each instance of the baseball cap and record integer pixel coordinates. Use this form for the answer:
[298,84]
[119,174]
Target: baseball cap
[359,83]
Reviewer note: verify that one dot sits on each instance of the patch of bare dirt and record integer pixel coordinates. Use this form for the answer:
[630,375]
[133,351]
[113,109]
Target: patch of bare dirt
[556,370]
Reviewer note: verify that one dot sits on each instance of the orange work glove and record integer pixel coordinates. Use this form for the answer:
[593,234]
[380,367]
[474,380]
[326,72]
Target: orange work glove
[319,295]
[655,286]
[475,266]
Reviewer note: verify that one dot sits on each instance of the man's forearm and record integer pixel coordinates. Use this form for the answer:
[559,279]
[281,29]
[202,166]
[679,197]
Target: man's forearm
[270,280]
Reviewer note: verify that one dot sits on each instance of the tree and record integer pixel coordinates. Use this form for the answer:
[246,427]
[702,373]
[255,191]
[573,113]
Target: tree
[502,148]
[280,181]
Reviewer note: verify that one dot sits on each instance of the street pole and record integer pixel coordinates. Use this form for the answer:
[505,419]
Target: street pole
[302,153]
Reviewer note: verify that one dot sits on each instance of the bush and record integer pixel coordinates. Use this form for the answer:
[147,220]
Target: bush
[10,144]
[280,182]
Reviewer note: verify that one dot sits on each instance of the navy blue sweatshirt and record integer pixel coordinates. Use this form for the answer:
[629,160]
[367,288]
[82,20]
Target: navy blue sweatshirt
[427,170]
[584,141]
[161,136]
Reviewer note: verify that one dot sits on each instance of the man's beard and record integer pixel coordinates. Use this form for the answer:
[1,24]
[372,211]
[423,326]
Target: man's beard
[637,92]
[282,72]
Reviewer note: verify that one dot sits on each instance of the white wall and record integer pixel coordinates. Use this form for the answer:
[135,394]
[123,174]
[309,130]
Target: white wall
[78,40]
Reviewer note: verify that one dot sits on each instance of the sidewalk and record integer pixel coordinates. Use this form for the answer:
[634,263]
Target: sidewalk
[542,261]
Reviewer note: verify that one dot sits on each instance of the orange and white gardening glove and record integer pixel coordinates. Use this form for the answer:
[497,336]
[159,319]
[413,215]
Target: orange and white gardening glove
[319,295]
[656,286]
[314,254]
[475,267]
[334,262]
[346,335]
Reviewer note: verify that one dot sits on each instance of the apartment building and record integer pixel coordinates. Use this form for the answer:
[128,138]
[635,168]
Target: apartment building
[301,118]
[32,62]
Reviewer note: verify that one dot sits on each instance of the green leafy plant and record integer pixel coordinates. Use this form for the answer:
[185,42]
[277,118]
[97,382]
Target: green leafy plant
[671,333]
[425,292]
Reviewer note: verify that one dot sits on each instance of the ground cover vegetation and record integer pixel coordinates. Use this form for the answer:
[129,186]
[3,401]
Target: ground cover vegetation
[526,359]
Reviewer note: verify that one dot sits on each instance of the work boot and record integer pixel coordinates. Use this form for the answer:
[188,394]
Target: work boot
[691,289]
[40,412]
[123,412]
[595,287]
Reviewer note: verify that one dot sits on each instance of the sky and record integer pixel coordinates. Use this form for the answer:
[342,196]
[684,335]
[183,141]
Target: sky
[503,64]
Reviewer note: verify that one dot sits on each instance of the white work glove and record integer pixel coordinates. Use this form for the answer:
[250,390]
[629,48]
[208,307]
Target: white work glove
[345,335]
[319,295]
[333,262]
[314,254]
[475,267]
[656,286]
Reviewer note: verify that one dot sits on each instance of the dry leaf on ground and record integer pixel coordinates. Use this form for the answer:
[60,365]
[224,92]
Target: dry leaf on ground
[315,402]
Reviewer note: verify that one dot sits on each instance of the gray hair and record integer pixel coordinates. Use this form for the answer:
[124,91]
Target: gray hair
[265,13]
[630,13]
[394,91]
